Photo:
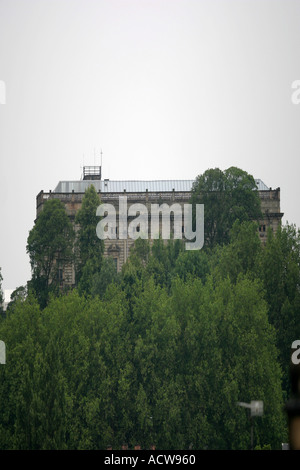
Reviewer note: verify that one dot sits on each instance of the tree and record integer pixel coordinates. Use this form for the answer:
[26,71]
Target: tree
[141,248]
[87,371]
[1,296]
[88,247]
[21,332]
[50,248]
[226,352]
[243,199]
[241,255]
[162,261]
[280,271]
[107,275]
[19,294]
[227,196]
[162,356]
[250,362]
[193,264]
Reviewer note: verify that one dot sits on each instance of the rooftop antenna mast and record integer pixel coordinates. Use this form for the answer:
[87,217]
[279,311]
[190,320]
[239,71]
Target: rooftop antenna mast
[82,167]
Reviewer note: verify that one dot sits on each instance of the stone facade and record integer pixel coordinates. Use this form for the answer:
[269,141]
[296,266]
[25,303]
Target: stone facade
[270,206]
[157,193]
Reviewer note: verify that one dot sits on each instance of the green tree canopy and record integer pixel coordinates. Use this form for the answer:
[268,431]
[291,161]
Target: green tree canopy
[227,196]
[20,293]
[88,247]
[163,351]
[242,255]
[1,295]
[280,271]
[50,248]
[106,276]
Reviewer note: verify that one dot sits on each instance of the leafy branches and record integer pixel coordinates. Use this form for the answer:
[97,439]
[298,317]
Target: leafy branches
[50,248]
[227,196]
[88,247]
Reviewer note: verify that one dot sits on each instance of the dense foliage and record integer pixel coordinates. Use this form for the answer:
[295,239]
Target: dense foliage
[227,196]
[1,295]
[88,248]
[159,353]
[50,248]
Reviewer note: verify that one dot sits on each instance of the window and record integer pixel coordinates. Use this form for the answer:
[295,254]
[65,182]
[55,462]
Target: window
[60,275]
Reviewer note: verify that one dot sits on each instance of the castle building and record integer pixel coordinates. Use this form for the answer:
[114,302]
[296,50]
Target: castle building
[71,193]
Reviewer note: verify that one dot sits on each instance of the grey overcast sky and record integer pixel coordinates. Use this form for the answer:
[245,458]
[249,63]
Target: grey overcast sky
[166,88]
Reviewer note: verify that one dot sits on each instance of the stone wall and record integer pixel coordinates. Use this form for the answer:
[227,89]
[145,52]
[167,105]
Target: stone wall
[119,249]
